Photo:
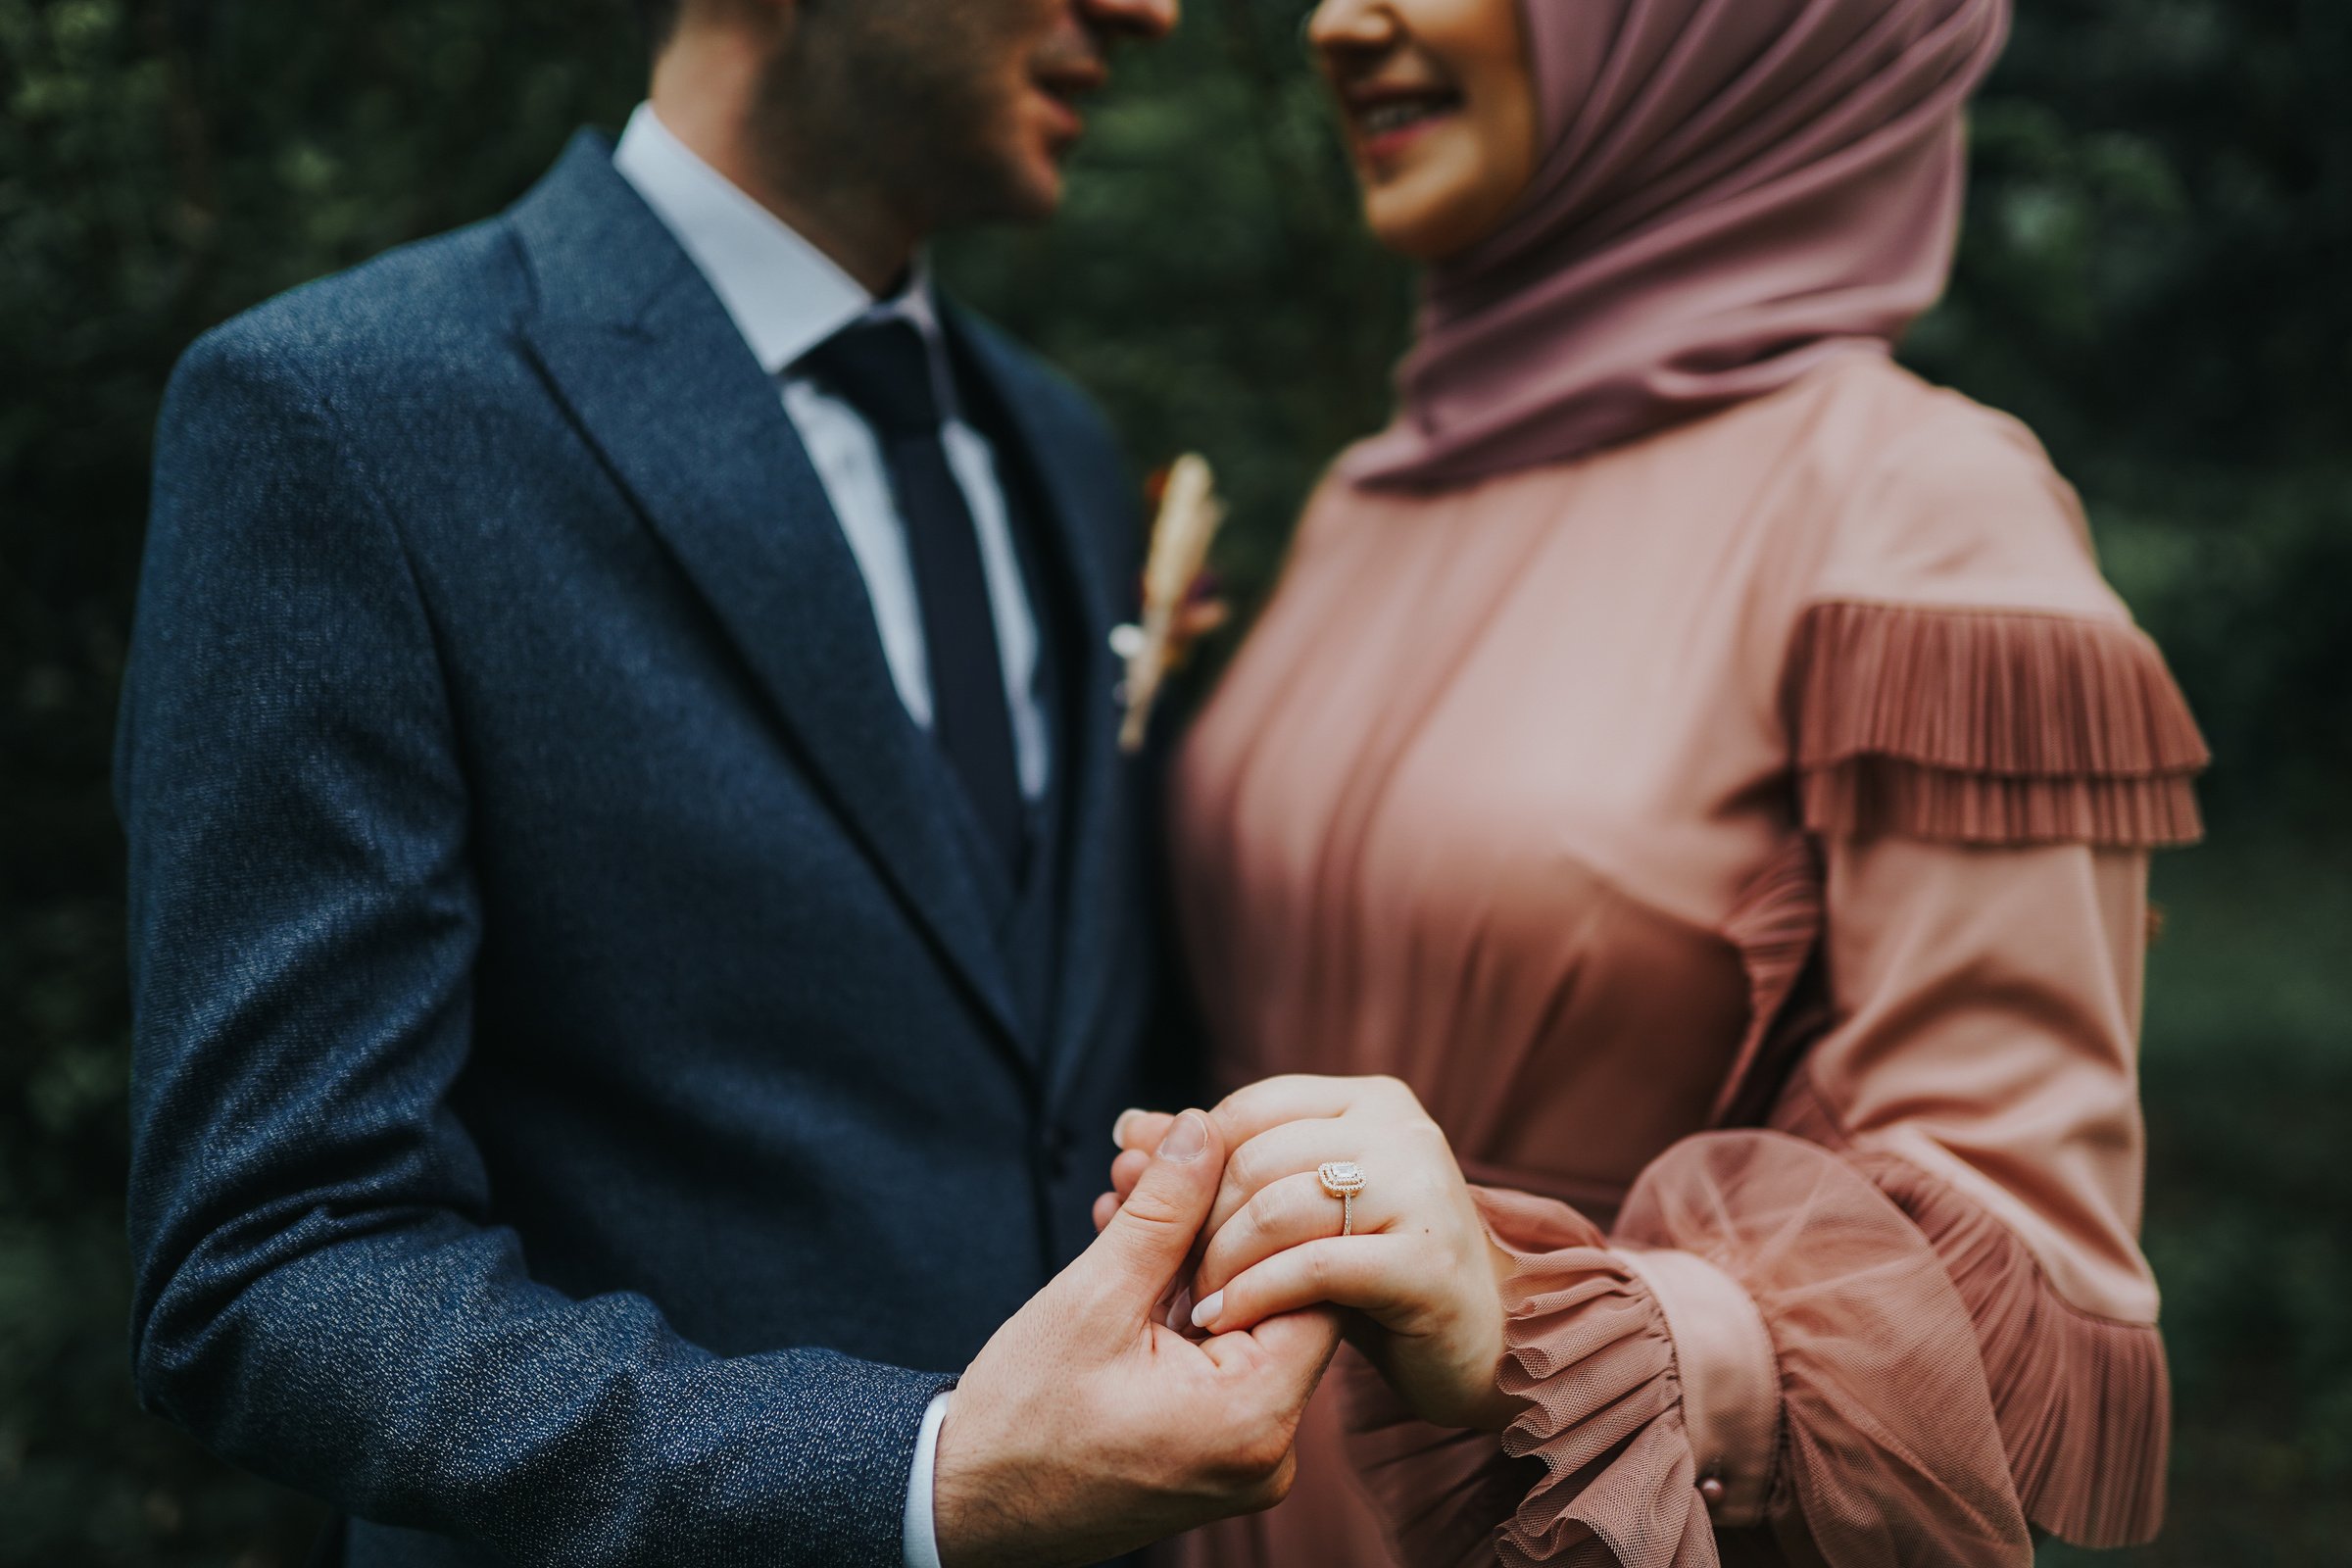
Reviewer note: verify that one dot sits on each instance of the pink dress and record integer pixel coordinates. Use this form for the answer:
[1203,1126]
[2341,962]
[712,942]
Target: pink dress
[1738,838]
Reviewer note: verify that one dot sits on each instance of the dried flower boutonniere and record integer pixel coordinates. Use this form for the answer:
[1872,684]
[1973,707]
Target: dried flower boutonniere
[1175,613]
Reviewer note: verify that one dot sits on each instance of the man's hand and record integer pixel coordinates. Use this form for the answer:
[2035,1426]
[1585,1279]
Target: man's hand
[1086,1428]
[1419,1266]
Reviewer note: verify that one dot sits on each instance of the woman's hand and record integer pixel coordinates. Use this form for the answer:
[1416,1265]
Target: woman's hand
[1419,1265]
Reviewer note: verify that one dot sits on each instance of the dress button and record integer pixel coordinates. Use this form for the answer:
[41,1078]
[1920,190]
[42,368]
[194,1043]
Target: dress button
[1711,1490]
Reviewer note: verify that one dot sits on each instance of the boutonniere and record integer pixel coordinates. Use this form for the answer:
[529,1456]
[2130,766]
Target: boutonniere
[1177,610]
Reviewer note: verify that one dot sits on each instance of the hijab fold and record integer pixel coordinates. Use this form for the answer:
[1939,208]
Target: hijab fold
[1731,192]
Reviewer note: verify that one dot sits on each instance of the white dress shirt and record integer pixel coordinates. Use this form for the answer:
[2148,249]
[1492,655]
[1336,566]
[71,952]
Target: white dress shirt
[786,297]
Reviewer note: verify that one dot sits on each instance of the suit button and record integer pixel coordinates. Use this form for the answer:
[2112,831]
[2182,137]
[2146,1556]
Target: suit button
[1053,1149]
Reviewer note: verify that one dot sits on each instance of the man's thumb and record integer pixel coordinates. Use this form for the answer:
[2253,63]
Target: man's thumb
[1147,1240]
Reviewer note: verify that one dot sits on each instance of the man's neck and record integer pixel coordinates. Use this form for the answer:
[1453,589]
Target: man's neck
[704,91]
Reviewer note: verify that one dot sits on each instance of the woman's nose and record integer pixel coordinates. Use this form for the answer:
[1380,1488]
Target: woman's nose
[1345,24]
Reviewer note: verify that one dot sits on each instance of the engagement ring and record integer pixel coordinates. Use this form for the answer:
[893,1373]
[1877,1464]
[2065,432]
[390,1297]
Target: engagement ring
[1343,1179]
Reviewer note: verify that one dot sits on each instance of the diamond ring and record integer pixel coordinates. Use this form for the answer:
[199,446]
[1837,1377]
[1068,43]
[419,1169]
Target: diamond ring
[1343,1179]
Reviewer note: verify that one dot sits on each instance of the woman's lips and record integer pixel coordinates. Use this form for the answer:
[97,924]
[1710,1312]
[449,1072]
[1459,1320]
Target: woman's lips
[1387,125]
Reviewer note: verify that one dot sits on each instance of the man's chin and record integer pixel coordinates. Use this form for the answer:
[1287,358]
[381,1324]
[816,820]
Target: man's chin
[1017,189]
[1033,192]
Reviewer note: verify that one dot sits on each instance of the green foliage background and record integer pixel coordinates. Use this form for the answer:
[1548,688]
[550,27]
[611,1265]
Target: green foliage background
[2154,276]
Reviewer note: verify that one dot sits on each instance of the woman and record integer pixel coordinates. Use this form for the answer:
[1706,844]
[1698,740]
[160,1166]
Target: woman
[1682,827]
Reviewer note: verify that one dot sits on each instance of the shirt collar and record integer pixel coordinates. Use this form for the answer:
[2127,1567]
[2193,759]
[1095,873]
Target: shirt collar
[784,294]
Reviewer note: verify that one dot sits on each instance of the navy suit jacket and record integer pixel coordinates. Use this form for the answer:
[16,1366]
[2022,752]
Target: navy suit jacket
[580,1111]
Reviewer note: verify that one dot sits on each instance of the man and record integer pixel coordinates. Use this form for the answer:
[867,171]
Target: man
[635,900]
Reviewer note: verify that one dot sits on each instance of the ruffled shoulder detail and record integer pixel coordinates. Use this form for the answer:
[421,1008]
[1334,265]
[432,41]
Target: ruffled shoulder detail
[1989,727]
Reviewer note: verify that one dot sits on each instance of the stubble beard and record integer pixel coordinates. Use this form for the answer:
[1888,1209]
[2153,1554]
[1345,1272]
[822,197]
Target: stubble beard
[880,100]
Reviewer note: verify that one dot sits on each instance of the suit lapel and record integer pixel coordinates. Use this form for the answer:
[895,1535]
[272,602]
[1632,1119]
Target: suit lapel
[1082,514]
[649,363]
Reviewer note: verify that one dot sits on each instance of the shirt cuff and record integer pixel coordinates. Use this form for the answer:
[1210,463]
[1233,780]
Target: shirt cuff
[920,1535]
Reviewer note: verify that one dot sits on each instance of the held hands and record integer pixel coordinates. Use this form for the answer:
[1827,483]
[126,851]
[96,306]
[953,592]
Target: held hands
[1419,1267]
[1086,1428]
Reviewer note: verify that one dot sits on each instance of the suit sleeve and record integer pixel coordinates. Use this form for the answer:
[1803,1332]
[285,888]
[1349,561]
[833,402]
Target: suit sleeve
[320,1294]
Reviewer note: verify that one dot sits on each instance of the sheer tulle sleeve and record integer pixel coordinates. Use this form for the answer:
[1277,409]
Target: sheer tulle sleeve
[1821,1380]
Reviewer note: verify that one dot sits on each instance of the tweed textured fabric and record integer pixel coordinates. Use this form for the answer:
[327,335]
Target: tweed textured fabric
[576,1032]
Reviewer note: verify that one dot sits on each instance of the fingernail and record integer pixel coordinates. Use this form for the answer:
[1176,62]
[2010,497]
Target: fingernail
[1118,1128]
[1186,1139]
[1206,1312]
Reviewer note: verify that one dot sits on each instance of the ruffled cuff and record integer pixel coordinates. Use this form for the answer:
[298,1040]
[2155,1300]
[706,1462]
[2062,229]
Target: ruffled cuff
[1886,1448]
[1587,1347]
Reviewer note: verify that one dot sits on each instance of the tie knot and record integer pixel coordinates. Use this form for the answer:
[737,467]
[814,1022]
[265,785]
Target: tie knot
[883,370]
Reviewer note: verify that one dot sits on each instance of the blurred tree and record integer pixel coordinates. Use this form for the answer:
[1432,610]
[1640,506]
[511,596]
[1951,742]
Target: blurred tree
[163,165]
[2153,277]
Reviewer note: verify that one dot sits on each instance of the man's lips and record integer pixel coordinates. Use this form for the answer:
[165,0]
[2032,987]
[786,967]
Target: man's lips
[1062,87]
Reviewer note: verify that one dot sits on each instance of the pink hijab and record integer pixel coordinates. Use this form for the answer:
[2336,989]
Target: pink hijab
[1734,191]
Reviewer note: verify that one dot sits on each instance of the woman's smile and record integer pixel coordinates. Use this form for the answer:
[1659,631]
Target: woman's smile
[1387,118]
[1440,111]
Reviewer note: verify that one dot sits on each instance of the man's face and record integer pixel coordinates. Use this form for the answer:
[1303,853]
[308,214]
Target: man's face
[962,110]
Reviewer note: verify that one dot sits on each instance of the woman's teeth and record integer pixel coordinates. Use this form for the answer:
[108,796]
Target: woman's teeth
[1382,118]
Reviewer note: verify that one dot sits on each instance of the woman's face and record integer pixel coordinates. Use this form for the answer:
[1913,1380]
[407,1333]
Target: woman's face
[1440,108]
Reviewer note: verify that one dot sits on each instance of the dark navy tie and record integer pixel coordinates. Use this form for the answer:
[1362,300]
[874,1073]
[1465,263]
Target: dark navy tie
[883,370]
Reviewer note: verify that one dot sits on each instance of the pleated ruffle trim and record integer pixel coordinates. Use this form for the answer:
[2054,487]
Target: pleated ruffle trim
[1588,1350]
[1595,1473]
[1981,726]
